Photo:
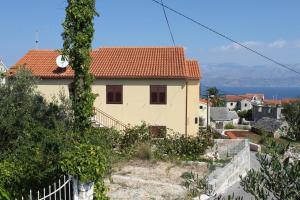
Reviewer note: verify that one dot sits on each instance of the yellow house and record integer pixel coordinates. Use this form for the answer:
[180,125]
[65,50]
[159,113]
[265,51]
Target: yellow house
[134,84]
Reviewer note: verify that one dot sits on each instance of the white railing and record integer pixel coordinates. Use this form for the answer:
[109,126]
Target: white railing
[61,190]
[108,121]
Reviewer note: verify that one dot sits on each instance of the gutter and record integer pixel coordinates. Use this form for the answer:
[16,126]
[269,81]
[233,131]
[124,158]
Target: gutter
[186,106]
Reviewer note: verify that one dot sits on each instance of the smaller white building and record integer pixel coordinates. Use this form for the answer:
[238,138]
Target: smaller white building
[221,116]
[203,114]
[3,69]
[243,102]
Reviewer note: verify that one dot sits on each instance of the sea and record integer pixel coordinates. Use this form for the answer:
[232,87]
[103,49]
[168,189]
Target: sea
[269,92]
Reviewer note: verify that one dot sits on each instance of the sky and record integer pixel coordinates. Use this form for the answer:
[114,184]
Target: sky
[271,27]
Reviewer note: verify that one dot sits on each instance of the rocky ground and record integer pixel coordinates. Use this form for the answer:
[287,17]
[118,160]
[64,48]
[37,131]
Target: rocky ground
[151,180]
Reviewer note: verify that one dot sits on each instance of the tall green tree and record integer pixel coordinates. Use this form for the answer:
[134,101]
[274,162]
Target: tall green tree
[78,35]
[292,116]
[278,177]
[215,98]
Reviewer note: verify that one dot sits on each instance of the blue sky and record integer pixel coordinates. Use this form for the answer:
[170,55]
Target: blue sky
[271,27]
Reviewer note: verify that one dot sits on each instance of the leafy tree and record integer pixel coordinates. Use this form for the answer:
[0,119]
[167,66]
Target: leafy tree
[215,98]
[278,177]
[292,116]
[78,34]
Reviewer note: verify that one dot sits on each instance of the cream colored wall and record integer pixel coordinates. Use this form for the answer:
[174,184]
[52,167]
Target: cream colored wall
[52,87]
[193,104]
[136,105]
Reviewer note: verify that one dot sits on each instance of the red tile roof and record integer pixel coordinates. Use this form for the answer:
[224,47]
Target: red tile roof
[118,62]
[272,102]
[234,98]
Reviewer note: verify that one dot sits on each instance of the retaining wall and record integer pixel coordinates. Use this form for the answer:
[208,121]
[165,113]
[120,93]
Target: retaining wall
[224,177]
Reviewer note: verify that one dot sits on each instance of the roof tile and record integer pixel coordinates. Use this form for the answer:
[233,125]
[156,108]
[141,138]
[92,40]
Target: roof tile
[117,62]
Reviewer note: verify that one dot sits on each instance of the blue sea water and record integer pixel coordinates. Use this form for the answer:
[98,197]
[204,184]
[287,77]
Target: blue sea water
[270,92]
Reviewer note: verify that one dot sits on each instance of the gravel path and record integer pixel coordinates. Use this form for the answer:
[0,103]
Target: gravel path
[151,180]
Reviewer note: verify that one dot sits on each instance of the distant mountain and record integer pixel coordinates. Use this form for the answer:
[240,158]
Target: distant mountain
[237,75]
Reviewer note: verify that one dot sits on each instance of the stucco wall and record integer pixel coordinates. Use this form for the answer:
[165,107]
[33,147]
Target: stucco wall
[260,111]
[231,107]
[136,105]
[203,113]
[245,105]
[193,99]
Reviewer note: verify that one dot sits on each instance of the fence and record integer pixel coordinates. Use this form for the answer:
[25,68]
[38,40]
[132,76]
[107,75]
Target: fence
[103,119]
[60,190]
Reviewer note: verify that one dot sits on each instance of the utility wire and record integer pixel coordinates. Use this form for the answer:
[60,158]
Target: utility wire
[166,17]
[227,37]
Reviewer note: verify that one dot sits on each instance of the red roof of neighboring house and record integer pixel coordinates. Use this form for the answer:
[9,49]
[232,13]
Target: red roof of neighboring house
[233,98]
[272,102]
[118,62]
[289,101]
[201,100]
[248,96]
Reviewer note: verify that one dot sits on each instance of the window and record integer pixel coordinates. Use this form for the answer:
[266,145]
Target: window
[158,131]
[246,105]
[269,110]
[114,94]
[158,94]
[231,104]
[201,107]
[196,120]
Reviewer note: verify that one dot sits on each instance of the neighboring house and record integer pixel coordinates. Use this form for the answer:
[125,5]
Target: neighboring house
[3,69]
[243,102]
[271,126]
[157,85]
[270,108]
[203,108]
[220,116]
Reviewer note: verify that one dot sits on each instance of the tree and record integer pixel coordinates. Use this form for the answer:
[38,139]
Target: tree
[278,177]
[78,34]
[292,116]
[215,97]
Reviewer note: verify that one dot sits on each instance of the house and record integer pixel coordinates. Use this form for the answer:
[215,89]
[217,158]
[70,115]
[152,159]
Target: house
[271,126]
[271,108]
[157,85]
[3,69]
[204,113]
[242,102]
[221,116]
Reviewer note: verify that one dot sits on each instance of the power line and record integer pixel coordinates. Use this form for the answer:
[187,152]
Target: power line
[228,38]
[166,17]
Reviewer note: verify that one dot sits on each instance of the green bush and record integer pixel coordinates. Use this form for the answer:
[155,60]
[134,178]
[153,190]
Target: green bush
[143,151]
[229,126]
[88,163]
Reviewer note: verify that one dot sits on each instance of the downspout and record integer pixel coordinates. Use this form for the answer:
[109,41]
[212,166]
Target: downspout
[186,106]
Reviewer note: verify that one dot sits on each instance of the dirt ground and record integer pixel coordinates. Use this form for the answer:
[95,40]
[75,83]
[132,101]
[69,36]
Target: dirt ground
[143,180]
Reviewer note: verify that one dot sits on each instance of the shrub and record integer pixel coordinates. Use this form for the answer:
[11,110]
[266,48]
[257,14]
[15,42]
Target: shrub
[229,126]
[143,151]
[88,163]
[135,135]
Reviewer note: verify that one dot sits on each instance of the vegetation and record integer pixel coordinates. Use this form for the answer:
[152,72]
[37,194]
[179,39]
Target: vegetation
[246,114]
[278,177]
[38,143]
[292,116]
[215,99]
[229,126]
[196,185]
[78,36]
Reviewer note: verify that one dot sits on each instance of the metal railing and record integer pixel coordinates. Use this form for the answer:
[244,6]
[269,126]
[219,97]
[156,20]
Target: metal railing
[61,190]
[108,121]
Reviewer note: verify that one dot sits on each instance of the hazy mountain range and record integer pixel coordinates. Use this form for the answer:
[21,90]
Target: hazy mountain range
[237,75]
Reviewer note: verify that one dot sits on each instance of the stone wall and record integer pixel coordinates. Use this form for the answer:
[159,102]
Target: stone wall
[239,150]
